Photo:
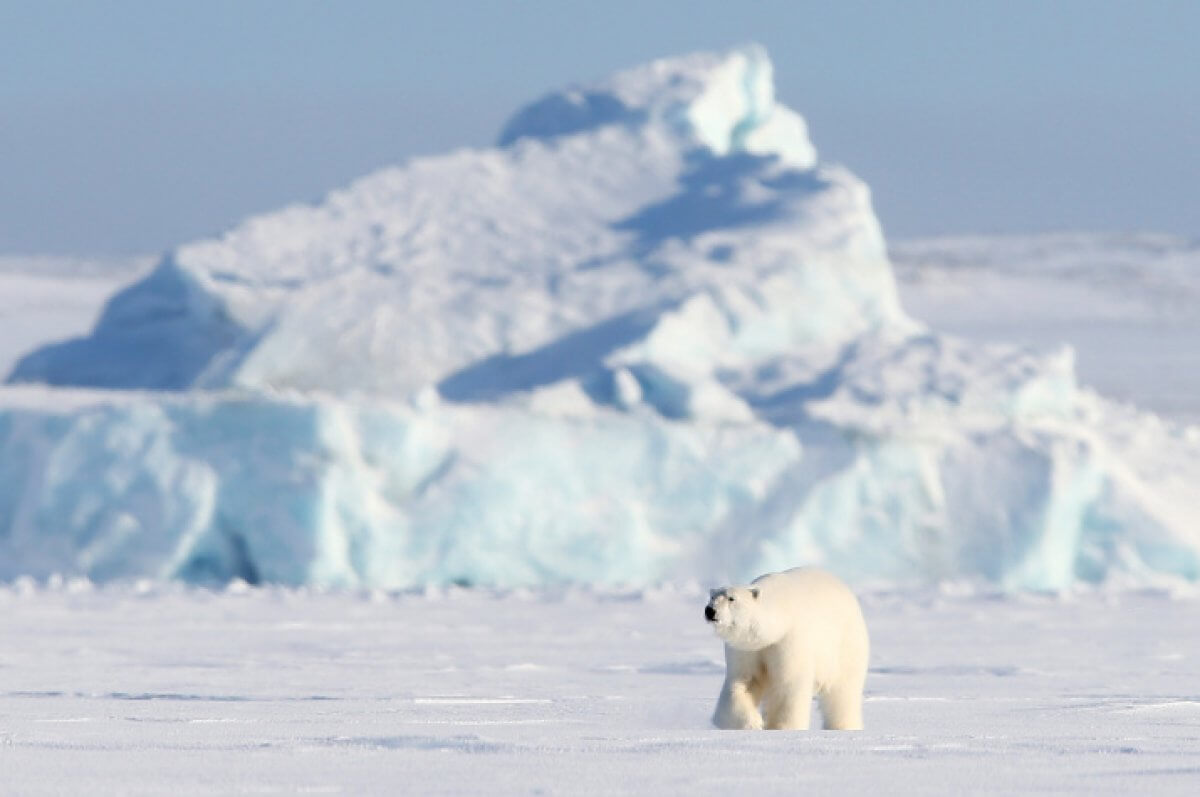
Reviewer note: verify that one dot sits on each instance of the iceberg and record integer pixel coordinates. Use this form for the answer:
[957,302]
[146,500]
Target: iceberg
[648,336]
[333,493]
[495,270]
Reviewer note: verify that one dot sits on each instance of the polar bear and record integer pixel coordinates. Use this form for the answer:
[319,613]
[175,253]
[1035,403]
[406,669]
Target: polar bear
[789,636]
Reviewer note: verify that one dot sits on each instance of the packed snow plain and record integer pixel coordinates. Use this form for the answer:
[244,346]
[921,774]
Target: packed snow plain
[152,689]
[1125,302]
[700,367]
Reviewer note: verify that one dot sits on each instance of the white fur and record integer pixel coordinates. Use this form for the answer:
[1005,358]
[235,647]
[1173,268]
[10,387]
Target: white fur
[790,636]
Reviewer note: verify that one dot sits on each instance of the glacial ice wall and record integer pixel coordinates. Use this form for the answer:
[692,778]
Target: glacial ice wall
[207,488]
[649,336]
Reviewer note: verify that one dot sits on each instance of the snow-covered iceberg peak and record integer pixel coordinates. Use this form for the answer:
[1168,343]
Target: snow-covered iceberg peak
[680,183]
[724,101]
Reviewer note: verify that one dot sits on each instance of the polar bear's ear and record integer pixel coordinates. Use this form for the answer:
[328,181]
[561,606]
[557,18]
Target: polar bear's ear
[754,592]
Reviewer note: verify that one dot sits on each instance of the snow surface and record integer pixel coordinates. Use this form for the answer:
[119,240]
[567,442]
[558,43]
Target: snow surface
[156,690]
[1129,304]
[648,337]
[43,299]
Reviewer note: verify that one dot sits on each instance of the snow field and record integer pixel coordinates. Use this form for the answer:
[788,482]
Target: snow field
[1125,302]
[43,299]
[149,689]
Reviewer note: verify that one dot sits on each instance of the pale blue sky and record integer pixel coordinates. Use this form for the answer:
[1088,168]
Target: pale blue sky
[132,126]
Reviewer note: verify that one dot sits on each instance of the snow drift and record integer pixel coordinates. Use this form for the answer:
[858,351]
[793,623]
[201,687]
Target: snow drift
[648,336]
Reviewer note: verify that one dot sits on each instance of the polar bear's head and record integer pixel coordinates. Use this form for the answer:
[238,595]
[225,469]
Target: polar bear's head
[736,614]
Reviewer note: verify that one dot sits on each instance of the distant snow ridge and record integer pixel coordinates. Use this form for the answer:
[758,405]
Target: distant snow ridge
[1126,301]
[646,337]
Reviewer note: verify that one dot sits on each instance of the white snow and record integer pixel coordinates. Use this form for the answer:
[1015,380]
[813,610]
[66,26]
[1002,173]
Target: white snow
[1125,302]
[43,299]
[154,690]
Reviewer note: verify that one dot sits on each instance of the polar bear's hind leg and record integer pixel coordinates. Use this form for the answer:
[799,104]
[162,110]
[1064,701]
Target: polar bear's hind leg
[841,707]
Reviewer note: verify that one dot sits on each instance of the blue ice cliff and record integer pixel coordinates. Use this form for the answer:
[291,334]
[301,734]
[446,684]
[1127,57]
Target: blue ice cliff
[647,336]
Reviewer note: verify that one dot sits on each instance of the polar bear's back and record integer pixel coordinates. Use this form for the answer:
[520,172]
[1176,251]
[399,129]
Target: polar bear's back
[809,585]
[819,606]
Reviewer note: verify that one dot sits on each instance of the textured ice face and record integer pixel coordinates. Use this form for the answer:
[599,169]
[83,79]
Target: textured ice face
[209,488]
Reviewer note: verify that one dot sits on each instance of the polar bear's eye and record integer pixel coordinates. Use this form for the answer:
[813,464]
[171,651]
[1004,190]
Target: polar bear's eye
[732,599]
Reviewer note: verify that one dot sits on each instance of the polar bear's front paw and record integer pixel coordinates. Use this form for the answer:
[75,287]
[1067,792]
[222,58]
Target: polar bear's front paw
[738,722]
[754,723]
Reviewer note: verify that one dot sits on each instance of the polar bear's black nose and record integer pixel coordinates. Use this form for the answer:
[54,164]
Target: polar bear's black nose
[710,613]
